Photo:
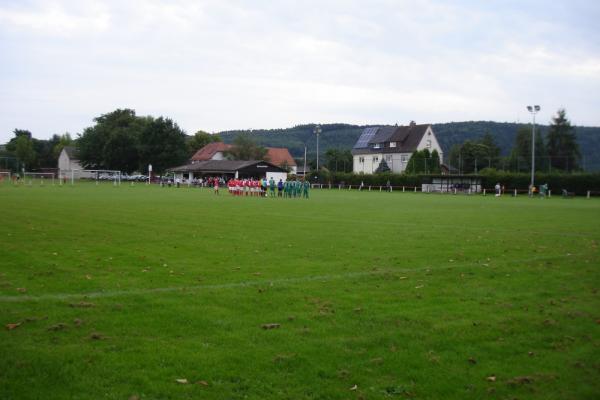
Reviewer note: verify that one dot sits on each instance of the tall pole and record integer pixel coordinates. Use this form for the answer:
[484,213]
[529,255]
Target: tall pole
[317,131]
[304,171]
[533,152]
[533,110]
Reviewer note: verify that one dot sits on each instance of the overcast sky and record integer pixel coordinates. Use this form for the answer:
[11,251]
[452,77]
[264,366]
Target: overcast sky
[228,64]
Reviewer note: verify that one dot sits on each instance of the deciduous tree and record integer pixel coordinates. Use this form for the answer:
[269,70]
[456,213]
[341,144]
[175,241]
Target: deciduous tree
[199,140]
[24,150]
[244,148]
[162,144]
[113,142]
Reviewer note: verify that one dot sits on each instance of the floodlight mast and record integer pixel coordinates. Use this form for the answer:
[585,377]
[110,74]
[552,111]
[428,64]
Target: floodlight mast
[317,131]
[533,110]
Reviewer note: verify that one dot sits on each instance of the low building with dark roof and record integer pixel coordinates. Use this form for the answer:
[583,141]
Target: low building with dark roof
[279,156]
[230,169]
[392,144]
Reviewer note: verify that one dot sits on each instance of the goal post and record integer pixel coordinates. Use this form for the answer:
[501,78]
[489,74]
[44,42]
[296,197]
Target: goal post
[96,175]
[40,177]
[5,177]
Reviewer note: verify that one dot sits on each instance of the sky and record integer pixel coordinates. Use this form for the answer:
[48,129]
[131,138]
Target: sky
[243,64]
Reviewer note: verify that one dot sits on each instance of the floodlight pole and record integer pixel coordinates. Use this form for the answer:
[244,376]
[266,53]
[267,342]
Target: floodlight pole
[304,170]
[533,110]
[317,132]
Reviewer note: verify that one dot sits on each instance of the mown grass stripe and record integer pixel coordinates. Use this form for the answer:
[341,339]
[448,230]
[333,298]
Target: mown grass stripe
[278,281]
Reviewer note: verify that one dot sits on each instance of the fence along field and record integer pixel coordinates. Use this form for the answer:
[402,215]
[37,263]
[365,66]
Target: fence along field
[149,292]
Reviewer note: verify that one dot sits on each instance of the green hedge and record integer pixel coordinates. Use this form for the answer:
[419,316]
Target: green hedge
[578,183]
[349,178]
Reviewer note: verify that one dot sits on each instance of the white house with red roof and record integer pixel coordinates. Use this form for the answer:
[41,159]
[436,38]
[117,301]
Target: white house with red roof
[212,151]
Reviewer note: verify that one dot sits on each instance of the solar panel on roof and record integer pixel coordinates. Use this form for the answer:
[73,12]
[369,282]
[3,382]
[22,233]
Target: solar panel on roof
[383,134]
[365,136]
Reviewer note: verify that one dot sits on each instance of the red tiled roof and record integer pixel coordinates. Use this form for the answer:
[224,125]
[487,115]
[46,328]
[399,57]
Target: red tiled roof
[275,155]
[207,152]
[279,156]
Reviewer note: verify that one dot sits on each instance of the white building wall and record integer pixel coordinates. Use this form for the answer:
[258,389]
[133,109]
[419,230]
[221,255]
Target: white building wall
[429,141]
[357,166]
[398,161]
[366,163]
[276,176]
[66,165]
[63,162]
[218,156]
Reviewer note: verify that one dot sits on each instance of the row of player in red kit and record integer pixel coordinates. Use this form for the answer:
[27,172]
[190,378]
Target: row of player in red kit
[247,187]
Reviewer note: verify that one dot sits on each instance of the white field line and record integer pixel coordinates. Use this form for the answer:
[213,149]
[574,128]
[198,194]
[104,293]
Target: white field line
[271,282]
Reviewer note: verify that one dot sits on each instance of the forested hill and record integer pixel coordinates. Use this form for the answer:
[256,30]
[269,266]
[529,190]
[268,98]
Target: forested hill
[343,136]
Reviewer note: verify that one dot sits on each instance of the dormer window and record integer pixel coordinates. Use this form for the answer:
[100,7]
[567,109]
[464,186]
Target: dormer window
[392,144]
[377,146]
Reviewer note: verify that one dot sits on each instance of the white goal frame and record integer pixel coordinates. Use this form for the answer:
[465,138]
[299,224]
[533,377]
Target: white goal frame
[32,175]
[6,174]
[96,172]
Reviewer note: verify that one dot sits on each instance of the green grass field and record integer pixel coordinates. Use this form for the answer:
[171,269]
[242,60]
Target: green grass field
[121,291]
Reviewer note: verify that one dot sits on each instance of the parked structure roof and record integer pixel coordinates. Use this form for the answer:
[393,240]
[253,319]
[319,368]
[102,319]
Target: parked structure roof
[207,152]
[228,167]
[280,156]
[72,152]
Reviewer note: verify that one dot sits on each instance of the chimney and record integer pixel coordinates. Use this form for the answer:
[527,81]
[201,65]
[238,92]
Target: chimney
[412,123]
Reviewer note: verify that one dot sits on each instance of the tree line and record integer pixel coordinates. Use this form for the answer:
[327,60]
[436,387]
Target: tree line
[119,140]
[24,151]
[557,150]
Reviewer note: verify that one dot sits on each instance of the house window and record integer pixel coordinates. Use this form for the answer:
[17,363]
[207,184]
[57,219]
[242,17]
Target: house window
[403,159]
[375,159]
[377,145]
[429,144]
[388,158]
[361,159]
[392,144]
